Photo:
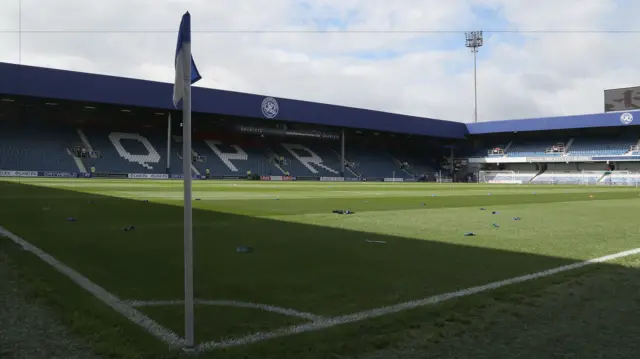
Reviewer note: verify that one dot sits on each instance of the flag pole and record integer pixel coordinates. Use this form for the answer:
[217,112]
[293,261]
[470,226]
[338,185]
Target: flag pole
[186,74]
[188,215]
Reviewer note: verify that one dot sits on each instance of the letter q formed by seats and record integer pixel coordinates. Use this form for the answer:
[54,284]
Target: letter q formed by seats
[152,157]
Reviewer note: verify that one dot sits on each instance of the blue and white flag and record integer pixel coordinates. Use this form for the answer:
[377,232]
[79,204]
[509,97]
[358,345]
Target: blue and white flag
[182,80]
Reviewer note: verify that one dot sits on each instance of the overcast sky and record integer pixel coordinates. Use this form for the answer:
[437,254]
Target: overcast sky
[525,74]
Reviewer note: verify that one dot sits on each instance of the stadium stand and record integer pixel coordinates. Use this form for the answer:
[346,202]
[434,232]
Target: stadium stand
[525,148]
[43,148]
[127,152]
[131,149]
[572,173]
[307,159]
[376,163]
[124,147]
[524,172]
[563,178]
[52,148]
[410,164]
[127,134]
[601,146]
[233,159]
[622,178]
[590,173]
[578,146]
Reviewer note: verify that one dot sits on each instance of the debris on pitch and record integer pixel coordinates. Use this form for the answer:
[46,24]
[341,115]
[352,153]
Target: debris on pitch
[483,209]
[516,218]
[244,249]
[340,211]
[422,204]
[379,242]
[496,225]
[71,219]
[129,228]
[469,234]
[495,212]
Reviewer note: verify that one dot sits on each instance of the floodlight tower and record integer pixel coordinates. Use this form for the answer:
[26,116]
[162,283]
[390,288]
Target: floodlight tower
[474,40]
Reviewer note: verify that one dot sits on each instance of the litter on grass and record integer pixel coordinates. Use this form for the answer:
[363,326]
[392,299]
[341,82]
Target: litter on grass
[469,234]
[244,249]
[380,242]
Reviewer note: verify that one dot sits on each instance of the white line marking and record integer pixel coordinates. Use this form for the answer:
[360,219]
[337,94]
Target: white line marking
[172,339]
[229,303]
[109,299]
[377,312]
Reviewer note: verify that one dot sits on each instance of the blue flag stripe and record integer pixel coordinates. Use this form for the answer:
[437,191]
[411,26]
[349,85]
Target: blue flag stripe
[184,37]
[195,74]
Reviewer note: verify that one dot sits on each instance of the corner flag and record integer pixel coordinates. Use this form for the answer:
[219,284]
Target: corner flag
[183,79]
[186,74]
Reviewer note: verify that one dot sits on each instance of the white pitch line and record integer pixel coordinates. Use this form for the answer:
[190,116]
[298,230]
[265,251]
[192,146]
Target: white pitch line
[322,323]
[378,312]
[109,299]
[229,303]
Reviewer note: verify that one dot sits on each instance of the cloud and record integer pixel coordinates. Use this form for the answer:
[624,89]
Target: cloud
[410,71]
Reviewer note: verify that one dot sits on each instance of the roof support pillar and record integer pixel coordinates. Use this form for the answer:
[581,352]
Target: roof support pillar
[342,154]
[169,143]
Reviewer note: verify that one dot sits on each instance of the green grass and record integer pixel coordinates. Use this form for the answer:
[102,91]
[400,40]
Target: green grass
[305,258]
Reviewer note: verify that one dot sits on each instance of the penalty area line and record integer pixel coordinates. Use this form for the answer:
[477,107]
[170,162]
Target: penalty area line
[378,312]
[106,297]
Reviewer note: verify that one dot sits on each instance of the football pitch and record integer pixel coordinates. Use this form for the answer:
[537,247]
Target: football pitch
[397,274]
